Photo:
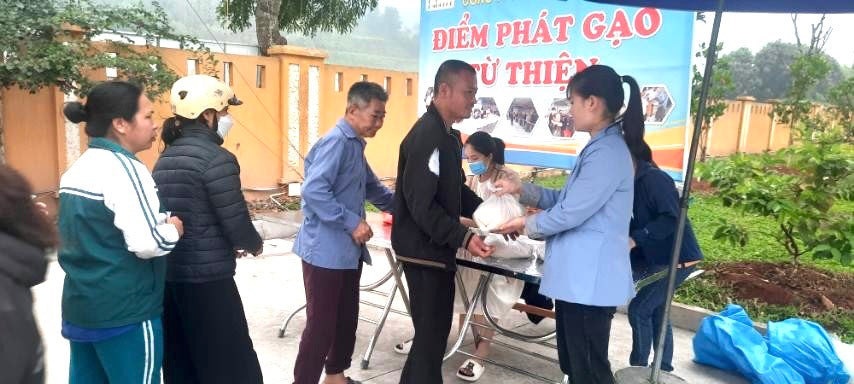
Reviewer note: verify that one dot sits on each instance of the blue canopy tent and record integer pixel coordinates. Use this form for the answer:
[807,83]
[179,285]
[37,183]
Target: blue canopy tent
[718,6]
[763,6]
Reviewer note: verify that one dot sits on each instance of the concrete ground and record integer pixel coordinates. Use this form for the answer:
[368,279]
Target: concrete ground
[271,287]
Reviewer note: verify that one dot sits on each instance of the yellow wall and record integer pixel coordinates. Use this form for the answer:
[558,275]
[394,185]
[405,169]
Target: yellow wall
[723,139]
[780,138]
[33,144]
[747,126]
[382,150]
[760,128]
[256,136]
[286,56]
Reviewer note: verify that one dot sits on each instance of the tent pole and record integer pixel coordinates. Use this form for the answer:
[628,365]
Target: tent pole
[686,191]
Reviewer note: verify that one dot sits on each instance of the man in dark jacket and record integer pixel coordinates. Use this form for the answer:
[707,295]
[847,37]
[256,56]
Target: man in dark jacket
[431,197]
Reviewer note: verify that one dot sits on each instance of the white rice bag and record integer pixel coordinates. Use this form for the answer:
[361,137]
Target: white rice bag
[512,249]
[497,210]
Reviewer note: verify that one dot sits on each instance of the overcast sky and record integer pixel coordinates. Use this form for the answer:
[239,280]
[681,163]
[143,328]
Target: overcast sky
[751,30]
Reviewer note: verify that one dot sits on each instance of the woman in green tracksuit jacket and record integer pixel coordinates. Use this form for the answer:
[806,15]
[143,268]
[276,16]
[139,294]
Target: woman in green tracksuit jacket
[112,236]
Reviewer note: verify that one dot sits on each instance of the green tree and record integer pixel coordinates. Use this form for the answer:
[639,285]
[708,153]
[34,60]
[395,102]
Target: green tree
[769,75]
[797,187]
[306,17]
[47,43]
[806,72]
[715,98]
[835,75]
[772,69]
[841,99]
[745,76]
[809,69]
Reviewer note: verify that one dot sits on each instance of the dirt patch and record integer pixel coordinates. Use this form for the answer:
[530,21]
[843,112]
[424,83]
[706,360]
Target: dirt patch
[788,284]
[274,204]
[784,170]
[702,187]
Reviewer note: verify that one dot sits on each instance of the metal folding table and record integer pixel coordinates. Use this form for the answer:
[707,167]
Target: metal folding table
[527,270]
[522,269]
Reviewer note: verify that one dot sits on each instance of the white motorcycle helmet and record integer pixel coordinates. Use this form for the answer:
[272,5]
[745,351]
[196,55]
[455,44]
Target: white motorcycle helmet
[194,94]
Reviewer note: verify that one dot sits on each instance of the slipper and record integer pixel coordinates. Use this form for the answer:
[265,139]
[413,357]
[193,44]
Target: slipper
[470,370]
[404,347]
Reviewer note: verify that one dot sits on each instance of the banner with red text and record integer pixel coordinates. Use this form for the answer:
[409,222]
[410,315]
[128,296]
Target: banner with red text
[526,51]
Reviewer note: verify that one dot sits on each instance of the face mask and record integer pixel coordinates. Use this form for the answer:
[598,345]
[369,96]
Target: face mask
[224,125]
[477,168]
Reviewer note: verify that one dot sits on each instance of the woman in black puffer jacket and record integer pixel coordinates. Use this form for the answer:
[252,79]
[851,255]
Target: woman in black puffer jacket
[25,235]
[206,334]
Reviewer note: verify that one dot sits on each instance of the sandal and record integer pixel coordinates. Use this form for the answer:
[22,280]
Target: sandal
[470,370]
[404,347]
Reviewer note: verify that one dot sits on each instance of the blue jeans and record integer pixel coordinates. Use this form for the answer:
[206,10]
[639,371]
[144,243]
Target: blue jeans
[645,314]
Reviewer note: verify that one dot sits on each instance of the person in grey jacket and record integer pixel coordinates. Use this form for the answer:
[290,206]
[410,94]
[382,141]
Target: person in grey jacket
[25,235]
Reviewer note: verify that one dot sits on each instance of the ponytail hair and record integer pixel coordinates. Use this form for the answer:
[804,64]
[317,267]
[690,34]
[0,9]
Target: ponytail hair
[644,153]
[487,145]
[173,127]
[633,122]
[498,155]
[604,82]
[171,130]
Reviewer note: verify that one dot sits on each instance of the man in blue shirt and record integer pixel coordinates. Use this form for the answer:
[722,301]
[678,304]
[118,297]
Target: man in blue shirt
[331,241]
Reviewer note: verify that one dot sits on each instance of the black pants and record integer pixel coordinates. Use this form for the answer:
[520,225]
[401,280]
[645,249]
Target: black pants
[431,300]
[332,315]
[531,295]
[206,338]
[583,332]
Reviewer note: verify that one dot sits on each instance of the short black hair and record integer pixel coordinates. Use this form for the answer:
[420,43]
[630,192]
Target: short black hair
[449,69]
[363,92]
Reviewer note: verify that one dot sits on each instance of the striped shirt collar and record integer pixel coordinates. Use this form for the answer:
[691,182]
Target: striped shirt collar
[105,143]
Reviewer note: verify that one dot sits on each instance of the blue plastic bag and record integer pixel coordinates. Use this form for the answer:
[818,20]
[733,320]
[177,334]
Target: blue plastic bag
[728,341]
[737,313]
[807,348]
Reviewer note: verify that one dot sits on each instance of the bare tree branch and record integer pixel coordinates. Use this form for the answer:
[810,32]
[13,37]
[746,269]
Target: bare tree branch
[797,35]
[818,35]
[822,36]
[824,39]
